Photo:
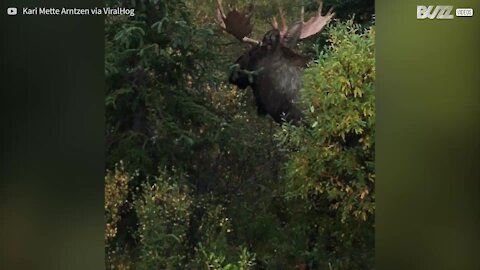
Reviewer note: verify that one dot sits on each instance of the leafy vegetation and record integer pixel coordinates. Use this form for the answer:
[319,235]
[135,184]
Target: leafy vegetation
[196,180]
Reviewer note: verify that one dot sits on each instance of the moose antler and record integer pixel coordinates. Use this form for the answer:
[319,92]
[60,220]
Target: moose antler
[235,23]
[284,22]
[316,23]
[309,28]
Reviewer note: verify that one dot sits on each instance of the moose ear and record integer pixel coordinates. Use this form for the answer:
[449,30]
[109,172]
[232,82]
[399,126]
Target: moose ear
[293,34]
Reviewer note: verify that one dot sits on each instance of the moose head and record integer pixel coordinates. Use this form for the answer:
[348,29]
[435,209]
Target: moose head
[270,67]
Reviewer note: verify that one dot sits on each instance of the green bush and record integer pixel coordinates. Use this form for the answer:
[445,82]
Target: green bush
[330,164]
[163,211]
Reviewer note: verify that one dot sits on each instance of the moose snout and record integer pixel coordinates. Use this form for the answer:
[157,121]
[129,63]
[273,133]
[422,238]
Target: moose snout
[238,78]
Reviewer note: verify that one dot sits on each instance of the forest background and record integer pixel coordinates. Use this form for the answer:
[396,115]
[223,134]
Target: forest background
[195,179]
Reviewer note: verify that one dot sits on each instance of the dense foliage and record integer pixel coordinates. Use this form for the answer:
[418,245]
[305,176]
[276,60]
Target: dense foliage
[196,180]
[330,165]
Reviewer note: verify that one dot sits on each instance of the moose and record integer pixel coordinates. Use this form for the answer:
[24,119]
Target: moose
[270,67]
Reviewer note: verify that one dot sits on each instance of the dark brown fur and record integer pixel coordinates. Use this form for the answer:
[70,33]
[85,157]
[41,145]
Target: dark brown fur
[275,77]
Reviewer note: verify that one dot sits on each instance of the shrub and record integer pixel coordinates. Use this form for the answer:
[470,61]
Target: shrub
[330,164]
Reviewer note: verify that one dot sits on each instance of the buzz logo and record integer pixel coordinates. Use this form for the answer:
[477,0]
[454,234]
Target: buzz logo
[434,12]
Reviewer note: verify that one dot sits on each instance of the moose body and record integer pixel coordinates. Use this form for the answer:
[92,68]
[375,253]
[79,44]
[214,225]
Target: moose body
[276,88]
[271,68]
[275,82]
